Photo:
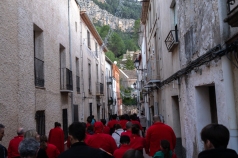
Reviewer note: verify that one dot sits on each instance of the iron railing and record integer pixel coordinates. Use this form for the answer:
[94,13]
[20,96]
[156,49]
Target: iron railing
[40,122]
[66,79]
[99,88]
[172,39]
[229,4]
[109,80]
[39,73]
[78,84]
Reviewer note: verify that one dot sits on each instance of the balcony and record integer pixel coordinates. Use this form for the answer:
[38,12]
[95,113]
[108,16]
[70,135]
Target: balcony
[99,89]
[171,40]
[66,80]
[78,84]
[232,16]
[109,80]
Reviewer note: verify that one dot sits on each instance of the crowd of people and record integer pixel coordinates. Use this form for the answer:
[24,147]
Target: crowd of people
[125,137]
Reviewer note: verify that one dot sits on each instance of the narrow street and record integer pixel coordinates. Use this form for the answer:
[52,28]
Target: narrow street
[119,66]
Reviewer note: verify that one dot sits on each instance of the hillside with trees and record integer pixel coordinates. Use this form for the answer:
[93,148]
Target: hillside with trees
[120,42]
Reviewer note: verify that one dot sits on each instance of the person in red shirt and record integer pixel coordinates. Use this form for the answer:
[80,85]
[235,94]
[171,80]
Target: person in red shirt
[101,140]
[123,122]
[137,142]
[56,137]
[12,150]
[51,150]
[89,120]
[111,123]
[125,145]
[128,129]
[106,129]
[157,132]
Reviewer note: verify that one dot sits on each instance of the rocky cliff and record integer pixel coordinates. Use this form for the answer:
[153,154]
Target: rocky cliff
[102,17]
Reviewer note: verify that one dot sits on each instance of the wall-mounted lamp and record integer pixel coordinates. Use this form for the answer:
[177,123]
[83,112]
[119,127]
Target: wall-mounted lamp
[134,84]
[136,64]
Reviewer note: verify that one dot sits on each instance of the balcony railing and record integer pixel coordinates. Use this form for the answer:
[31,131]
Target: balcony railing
[39,73]
[66,80]
[78,84]
[232,15]
[99,89]
[171,40]
[109,80]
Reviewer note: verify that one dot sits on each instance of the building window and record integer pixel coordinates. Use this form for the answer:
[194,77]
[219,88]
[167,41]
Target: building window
[88,36]
[90,109]
[40,122]
[75,26]
[38,57]
[102,77]
[66,75]
[174,12]
[65,123]
[77,76]
[97,72]
[96,49]
[89,77]
[76,114]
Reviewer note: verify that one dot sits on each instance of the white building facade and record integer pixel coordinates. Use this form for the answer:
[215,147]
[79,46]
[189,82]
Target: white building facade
[45,66]
[191,72]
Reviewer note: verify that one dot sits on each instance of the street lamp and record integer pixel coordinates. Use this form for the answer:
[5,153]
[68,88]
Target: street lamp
[134,84]
[136,64]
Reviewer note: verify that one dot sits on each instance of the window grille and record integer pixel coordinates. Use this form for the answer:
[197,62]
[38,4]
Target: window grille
[40,122]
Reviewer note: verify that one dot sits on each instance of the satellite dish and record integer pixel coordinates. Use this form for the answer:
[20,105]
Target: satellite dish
[115,62]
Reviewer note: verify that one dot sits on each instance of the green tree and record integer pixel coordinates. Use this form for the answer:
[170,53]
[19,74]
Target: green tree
[111,56]
[104,31]
[136,29]
[130,45]
[116,44]
[129,63]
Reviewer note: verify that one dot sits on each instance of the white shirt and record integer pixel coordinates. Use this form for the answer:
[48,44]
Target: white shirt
[117,135]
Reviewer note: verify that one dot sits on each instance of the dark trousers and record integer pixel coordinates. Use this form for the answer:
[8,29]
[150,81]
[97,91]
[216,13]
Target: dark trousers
[143,132]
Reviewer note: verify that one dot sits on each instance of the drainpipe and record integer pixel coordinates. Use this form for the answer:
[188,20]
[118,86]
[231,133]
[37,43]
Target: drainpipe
[82,73]
[228,79]
[70,58]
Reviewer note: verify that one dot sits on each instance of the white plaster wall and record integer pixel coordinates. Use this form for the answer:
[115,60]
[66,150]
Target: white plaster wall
[19,98]
[101,68]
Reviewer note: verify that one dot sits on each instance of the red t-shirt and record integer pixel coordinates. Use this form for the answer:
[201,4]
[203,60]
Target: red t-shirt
[136,122]
[104,141]
[137,142]
[56,137]
[13,147]
[52,151]
[118,153]
[123,124]
[106,130]
[157,132]
[127,133]
[87,137]
[111,123]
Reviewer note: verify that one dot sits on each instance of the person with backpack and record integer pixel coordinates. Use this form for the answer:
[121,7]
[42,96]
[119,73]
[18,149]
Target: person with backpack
[117,133]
